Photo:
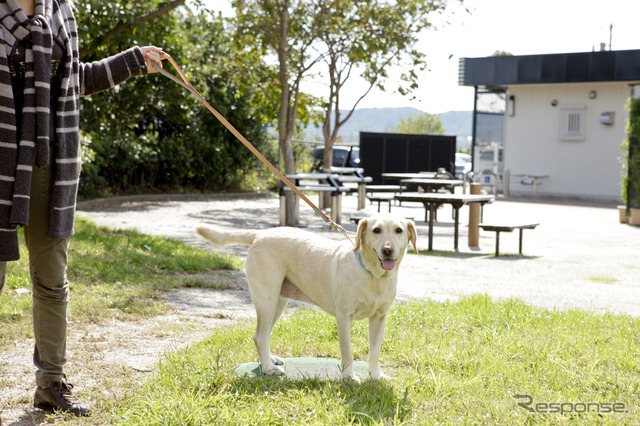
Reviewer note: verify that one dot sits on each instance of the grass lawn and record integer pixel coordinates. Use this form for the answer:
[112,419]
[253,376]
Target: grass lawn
[113,274]
[473,361]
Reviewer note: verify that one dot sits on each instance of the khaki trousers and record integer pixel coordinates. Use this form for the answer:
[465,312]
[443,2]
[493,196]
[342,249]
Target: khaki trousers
[50,287]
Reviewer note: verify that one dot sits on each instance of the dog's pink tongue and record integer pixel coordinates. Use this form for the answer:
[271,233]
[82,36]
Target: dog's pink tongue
[388,264]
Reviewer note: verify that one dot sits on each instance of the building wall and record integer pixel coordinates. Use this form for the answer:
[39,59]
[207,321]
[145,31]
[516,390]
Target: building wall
[587,168]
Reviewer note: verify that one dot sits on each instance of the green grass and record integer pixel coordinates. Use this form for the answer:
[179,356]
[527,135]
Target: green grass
[113,274]
[603,280]
[451,363]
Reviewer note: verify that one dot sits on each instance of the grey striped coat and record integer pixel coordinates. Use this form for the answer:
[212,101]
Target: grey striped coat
[79,79]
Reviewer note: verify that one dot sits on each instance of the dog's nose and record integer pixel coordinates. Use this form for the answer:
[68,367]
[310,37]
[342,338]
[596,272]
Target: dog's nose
[387,249]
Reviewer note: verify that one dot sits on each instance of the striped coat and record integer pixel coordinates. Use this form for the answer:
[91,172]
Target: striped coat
[17,154]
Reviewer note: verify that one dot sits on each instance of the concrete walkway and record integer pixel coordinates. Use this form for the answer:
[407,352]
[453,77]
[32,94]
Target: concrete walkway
[579,257]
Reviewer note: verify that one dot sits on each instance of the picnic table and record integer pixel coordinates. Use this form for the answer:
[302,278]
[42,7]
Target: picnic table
[532,179]
[433,200]
[400,176]
[358,171]
[326,182]
[353,175]
[433,184]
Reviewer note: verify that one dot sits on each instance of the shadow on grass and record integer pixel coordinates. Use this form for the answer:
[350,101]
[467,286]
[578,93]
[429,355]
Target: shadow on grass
[371,400]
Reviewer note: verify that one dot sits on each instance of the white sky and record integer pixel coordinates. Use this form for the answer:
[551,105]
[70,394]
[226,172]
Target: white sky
[515,26]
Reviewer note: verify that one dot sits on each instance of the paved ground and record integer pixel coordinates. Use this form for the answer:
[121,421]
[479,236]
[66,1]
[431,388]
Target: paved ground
[579,257]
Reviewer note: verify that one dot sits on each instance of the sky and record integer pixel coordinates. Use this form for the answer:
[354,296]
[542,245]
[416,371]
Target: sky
[515,26]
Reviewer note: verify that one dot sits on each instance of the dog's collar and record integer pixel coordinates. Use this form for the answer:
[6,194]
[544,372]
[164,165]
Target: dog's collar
[359,257]
[361,261]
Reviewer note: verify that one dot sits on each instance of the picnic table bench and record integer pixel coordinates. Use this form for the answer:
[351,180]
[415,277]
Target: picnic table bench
[382,198]
[386,188]
[332,186]
[507,228]
[346,175]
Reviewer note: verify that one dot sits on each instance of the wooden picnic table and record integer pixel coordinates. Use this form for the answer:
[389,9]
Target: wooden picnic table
[400,176]
[332,186]
[362,182]
[358,171]
[432,200]
[433,184]
[532,179]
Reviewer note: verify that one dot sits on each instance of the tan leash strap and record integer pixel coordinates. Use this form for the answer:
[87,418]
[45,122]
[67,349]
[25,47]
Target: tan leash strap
[184,82]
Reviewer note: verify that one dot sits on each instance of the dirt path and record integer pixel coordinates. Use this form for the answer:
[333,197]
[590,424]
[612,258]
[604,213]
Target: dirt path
[99,353]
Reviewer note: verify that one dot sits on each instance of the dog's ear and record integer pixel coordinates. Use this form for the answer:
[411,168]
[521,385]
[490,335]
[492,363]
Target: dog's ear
[362,229]
[413,235]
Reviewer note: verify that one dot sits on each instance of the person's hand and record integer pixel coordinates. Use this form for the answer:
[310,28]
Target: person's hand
[155,54]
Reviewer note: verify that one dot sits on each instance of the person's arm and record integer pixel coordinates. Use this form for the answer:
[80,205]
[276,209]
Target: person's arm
[106,73]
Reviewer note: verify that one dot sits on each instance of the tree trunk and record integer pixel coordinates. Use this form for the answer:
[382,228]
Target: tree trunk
[285,114]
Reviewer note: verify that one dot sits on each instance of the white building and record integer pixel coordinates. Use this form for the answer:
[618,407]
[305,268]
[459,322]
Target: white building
[564,118]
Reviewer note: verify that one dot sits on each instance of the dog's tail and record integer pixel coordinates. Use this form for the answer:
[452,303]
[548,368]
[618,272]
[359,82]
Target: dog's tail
[223,238]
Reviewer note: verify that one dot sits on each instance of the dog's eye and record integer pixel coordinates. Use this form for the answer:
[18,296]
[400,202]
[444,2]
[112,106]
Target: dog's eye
[377,230]
[398,230]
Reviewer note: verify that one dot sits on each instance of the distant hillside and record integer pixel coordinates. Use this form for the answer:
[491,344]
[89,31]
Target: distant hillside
[455,123]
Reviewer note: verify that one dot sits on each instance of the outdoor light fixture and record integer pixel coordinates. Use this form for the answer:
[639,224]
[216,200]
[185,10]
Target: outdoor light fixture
[511,106]
[608,118]
[554,102]
[593,94]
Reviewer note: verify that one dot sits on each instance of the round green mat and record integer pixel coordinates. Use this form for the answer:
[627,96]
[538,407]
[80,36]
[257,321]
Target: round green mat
[298,368]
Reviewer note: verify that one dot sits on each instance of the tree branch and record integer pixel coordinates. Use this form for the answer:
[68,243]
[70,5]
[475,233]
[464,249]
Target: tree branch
[124,26]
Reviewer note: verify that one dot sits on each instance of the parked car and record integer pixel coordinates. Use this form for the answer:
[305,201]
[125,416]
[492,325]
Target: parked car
[343,156]
[463,165]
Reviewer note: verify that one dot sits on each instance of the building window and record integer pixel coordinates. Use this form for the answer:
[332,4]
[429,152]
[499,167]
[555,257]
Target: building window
[572,123]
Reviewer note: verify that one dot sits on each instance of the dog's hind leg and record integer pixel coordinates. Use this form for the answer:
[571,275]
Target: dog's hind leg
[268,309]
[282,304]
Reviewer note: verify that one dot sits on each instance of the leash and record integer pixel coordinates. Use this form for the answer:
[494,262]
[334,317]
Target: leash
[184,82]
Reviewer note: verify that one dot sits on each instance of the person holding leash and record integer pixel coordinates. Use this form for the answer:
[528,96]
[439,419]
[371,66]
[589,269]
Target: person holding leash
[41,80]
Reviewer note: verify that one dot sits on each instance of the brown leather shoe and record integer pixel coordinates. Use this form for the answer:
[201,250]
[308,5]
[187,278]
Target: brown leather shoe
[58,396]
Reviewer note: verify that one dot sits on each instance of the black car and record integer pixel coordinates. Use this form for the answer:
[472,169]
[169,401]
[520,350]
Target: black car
[343,156]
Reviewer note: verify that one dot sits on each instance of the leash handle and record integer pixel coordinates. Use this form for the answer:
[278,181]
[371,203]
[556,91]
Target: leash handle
[184,82]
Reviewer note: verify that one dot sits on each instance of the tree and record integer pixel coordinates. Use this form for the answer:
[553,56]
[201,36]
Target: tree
[420,124]
[286,29]
[371,37]
[149,132]
[347,35]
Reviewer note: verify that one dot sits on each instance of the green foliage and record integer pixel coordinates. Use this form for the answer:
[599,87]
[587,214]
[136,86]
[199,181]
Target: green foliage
[631,156]
[420,124]
[149,133]
[329,41]
[450,363]
[501,53]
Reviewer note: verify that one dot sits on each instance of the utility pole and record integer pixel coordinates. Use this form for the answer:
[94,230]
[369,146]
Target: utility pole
[610,35]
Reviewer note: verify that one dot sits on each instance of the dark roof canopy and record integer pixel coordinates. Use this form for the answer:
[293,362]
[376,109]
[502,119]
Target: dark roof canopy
[621,65]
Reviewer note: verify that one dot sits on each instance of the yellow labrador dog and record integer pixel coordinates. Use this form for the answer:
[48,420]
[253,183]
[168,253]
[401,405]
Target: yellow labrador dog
[350,283]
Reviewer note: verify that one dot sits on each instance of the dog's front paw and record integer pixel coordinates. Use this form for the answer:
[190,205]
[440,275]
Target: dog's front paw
[379,375]
[376,373]
[351,376]
[277,360]
[273,370]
